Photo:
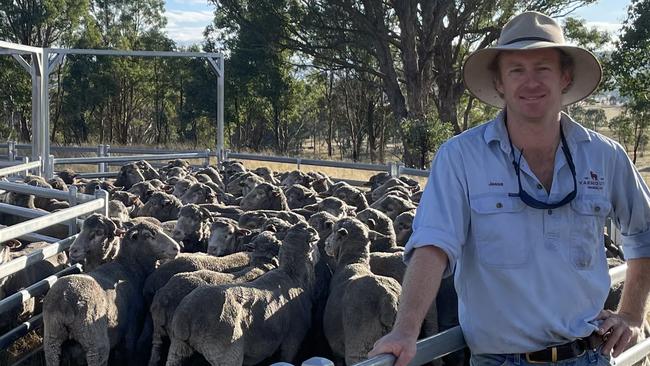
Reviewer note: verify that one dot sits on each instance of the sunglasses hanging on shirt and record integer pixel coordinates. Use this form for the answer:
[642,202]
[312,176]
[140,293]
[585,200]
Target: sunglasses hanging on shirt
[527,198]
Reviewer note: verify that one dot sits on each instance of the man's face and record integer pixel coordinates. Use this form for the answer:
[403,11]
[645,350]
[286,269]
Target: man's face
[532,82]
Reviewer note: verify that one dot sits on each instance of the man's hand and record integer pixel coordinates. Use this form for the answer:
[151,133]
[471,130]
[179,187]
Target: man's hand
[622,331]
[399,344]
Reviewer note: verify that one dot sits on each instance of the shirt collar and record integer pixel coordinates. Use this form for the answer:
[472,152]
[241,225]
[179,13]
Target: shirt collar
[496,131]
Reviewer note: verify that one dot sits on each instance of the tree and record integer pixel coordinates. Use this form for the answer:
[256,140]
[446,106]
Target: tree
[416,47]
[630,64]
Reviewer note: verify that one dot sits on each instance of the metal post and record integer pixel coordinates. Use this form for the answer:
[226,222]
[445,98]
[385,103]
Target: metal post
[399,168]
[220,84]
[25,161]
[298,161]
[44,142]
[36,74]
[72,224]
[100,193]
[101,152]
[206,162]
[393,169]
[11,150]
[49,167]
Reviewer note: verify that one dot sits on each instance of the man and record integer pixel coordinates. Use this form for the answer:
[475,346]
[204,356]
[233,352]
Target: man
[515,208]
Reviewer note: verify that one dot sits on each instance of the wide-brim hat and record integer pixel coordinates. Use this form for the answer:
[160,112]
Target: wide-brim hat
[528,31]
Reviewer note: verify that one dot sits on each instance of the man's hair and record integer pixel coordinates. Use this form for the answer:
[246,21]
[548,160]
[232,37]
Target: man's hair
[566,64]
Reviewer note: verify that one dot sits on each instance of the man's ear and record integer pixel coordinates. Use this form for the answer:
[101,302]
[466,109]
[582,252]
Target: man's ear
[567,80]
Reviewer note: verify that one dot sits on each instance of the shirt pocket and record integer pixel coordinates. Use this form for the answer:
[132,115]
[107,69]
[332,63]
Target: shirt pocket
[588,216]
[500,241]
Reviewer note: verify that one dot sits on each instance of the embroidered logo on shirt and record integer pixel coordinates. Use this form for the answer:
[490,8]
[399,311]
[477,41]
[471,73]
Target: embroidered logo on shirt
[497,184]
[593,181]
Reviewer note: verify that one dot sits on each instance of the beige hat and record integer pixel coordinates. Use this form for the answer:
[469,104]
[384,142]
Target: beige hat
[527,31]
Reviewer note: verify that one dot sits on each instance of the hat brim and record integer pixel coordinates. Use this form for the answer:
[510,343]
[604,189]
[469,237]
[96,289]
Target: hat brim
[479,79]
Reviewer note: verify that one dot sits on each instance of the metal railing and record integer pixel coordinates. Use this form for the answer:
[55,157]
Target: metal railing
[451,340]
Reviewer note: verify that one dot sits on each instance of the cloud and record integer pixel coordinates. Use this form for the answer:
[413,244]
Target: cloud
[612,28]
[185,18]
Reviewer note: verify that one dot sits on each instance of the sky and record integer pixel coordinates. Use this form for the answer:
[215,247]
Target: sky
[186,19]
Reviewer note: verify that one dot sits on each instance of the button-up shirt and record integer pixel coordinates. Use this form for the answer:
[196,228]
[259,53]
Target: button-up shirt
[529,278]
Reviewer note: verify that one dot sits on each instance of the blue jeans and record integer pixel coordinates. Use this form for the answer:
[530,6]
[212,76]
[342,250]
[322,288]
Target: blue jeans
[589,358]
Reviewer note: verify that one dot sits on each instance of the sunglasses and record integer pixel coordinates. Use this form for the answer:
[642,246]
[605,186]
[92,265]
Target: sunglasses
[527,198]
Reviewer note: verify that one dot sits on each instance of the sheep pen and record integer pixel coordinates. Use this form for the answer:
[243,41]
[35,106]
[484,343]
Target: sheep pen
[251,203]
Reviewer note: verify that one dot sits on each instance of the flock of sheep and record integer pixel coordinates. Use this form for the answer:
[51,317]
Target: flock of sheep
[237,266]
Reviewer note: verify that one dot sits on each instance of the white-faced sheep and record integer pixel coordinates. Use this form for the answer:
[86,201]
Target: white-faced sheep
[267,174]
[403,226]
[69,176]
[227,237]
[297,177]
[199,193]
[300,196]
[144,190]
[353,323]
[250,322]
[333,205]
[389,183]
[265,196]
[264,251]
[393,206]
[162,206]
[104,308]
[129,175]
[214,175]
[352,196]
[192,229]
[97,243]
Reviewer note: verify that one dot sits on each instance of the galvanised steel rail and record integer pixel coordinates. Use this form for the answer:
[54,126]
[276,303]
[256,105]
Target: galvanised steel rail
[20,168]
[451,340]
[17,299]
[48,220]
[32,237]
[44,192]
[36,256]
[121,159]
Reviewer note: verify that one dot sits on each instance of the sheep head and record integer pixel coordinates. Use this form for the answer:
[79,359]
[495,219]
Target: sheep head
[225,237]
[95,240]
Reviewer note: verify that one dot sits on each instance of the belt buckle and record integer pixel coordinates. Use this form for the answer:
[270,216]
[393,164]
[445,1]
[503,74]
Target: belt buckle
[553,357]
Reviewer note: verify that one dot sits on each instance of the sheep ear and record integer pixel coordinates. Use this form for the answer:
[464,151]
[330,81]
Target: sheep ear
[342,232]
[371,224]
[243,232]
[329,224]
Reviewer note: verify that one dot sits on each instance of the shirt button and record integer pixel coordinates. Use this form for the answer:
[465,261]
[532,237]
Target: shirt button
[539,186]
[550,212]
[597,208]
[499,205]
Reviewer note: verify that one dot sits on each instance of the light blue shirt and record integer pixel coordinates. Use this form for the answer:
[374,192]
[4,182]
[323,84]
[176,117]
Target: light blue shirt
[529,278]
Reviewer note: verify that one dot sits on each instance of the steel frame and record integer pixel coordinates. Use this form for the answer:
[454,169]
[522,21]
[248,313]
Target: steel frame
[44,60]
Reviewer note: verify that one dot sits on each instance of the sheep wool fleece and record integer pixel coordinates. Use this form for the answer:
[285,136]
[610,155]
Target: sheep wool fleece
[529,278]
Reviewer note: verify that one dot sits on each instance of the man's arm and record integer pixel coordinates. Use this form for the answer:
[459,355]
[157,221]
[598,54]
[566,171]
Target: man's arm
[626,324]
[419,288]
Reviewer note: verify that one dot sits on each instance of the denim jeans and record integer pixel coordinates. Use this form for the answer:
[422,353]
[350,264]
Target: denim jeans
[589,358]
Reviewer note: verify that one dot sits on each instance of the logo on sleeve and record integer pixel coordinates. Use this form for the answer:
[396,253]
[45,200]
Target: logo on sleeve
[593,181]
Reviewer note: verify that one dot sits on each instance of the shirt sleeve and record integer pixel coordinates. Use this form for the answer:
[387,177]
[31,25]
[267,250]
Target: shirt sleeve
[631,207]
[442,217]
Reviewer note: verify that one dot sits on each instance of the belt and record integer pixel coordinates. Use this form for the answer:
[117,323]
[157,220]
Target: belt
[565,351]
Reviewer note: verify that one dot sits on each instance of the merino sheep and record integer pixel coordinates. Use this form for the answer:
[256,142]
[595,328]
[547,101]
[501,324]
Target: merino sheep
[265,196]
[393,206]
[214,175]
[58,183]
[199,193]
[403,227]
[256,218]
[162,206]
[297,177]
[352,196]
[377,221]
[300,196]
[143,190]
[227,238]
[264,251]
[333,205]
[250,322]
[192,229]
[389,183]
[192,262]
[354,323]
[69,176]
[97,243]
[236,184]
[103,309]
[129,175]
[267,174]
